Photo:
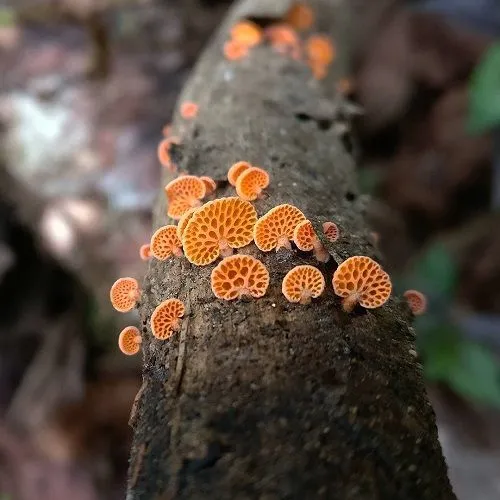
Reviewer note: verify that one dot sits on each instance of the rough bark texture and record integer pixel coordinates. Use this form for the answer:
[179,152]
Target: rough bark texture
[264,399]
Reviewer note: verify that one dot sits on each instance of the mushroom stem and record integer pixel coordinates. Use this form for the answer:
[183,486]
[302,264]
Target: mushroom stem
[225,249]
[138,339]
[350,302]
[320,252]
[305,297]
[177,252]
[283,242]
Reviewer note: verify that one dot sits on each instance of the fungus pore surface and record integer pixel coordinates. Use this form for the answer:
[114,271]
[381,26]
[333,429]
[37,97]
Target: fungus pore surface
[218,227]
[417,301]
[165,243]
[124,294]
[303,283]
[331,231]
[360,279]
[236,170]
[251,182]
[165,320]
[239,275]
[129,340]
[275,229]
[184,193]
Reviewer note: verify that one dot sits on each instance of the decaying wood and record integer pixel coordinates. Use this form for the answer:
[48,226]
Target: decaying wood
[263,399]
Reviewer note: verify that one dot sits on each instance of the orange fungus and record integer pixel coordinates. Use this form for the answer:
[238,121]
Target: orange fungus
[165,320]
[129,340]
[302,284]
[124,294]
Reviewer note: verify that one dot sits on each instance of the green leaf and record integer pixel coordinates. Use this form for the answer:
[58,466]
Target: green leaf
[435,274]
[477,375]
[484,93]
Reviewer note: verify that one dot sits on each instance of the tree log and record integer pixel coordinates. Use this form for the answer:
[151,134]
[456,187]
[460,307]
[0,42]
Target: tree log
[264,399]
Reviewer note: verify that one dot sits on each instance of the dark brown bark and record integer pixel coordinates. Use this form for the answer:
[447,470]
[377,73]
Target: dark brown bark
[264,399]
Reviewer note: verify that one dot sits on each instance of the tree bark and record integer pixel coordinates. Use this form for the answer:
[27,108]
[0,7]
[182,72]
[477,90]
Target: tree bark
[264,399]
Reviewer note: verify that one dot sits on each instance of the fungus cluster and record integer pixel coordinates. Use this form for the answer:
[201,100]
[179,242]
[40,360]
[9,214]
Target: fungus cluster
[189,110]
[243,36]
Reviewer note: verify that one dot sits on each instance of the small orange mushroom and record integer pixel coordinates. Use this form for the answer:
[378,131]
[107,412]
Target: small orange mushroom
[417,301]
[165,243]
[320,49]
[360,279]
[164,152]
[129,340]
[165,320]
[145,252]
[218,227]
[189,110]
[300,16]
[234,50]
[183,222]
[302,284]
[306,240]
[236,170]
[184,193]
[124,294]
[167,130]
[331,231]
[239,275]
[275,229]
[210,184]
[251,182]
[246,33]
[283,38]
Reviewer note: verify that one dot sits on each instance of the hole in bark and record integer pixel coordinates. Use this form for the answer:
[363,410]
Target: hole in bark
[303,117]
[350,196]
[176,153]
[196,132]
[263,21]
[347,142]
[324,124]
[144,330]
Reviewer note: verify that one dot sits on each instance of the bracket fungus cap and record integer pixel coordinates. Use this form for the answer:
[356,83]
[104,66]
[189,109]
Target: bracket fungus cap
[218,227]
[251,182]
[189,110]
[129,340]
[306,240]
[181,226]
[124,294]
[239,275]
[247,33]
[210,184]
[417,301]
[165,243]
[165,320]
[275,228]
[320,49]
[300,16]
[360,279]
[331,231]
[236,170]
[302,284]
[184,193]
[145,252]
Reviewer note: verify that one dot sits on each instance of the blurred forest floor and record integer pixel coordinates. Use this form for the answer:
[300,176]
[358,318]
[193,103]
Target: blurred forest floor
[79,175]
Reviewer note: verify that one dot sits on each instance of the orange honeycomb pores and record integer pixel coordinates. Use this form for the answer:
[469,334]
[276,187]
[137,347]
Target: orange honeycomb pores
[218,227]
[306,240]
[165,243]
[247,33]
[251,182]
[331,231]
[360,279]
[145,252]
[165,320]
[129,340]
[184,193]
[417,301]
[275,229]
[302,284]
[210,184]
[236,170]
[239,275]
[124,294]
[183,221]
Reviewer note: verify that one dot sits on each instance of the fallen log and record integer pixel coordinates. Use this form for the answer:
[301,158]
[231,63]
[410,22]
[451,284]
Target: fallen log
[264,398]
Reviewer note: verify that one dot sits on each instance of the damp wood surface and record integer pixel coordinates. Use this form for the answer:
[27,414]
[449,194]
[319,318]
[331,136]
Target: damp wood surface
[265,399]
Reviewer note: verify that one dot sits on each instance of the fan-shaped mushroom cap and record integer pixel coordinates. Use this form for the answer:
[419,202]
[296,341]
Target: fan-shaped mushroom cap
[210,184]
[216,228]
[167,130]
[246,33]
[164,152]
[165,243]
[189,110]
[236,170]
[300,16]
[282,37]
[129,340]
[251,182]
[239,275]
[320,49]
[303,283]
[183,221]
[184,193]
[361,279]
[417,301]
[275,229]
[305,238]
[331,231]
[145,251]
[124,294]
[165,320]
[234,50]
